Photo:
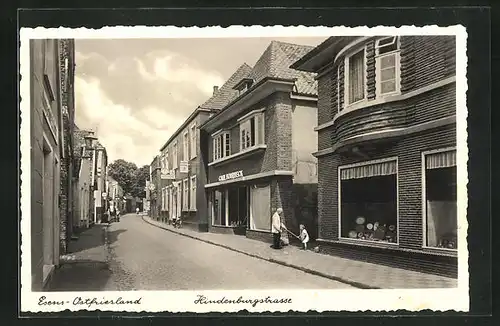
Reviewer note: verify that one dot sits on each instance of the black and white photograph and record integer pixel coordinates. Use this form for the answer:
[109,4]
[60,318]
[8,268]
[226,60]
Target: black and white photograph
[257,168]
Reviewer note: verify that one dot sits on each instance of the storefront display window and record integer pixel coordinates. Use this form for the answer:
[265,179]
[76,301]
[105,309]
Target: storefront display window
[219,207]
[260,208]
[368,197]
[440,193]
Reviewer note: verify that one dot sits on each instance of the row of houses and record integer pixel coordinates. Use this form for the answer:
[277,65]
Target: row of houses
[355,138]
[68,170]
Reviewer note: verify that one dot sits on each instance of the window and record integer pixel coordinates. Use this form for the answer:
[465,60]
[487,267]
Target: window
[192,203]
[174,156]
[387,65]
[355,77]
[252,131]
[260,208]
[221,145]
[440,199]
[193,141]
[165,161]
[368,207]
[168,204]
[185,195]
[185,146]
[163,199]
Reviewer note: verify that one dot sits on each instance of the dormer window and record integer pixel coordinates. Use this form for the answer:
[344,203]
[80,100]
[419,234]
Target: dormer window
[243,85]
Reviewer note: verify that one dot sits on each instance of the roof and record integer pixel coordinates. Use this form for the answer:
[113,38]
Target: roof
[226,93]
[318,57]
[275,62]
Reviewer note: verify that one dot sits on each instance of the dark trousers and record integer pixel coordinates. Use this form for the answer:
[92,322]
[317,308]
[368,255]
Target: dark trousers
[277,240]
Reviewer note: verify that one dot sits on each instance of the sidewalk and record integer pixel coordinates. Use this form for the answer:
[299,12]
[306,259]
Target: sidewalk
[85,267]
[356,273]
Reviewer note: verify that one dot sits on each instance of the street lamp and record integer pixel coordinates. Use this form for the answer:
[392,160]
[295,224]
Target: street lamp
[89,141]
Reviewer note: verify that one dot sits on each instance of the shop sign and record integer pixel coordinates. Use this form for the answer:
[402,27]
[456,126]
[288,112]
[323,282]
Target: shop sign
[184,167]
[167,174]
[230,176]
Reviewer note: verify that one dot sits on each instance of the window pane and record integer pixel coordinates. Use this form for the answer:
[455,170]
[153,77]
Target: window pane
[356,77]
[387,61]
[386,41]
[260,205]
[388,74]
[388,48]
[253,131]
[441,207]
[369,208]
[388,86]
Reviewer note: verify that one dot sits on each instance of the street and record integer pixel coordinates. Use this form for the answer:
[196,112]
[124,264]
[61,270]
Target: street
[144,257]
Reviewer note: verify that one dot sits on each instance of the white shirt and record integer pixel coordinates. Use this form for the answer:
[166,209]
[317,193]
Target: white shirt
[304,236]
[276,223]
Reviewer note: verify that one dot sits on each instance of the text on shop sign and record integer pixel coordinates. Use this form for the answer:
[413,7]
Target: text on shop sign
[232,175]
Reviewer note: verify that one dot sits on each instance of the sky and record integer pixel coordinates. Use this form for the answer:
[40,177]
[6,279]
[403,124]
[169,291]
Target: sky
[135,93]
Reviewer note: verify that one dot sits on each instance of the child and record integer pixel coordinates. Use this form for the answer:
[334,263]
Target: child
[304,236]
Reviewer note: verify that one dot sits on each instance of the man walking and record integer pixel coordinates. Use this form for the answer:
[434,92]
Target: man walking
[276,226]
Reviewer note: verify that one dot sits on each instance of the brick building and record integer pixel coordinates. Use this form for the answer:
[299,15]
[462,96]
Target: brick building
[46,155]
[386,149]
[181,163]
[258,149]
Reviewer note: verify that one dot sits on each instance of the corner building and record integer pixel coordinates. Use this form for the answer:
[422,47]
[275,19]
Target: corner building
[387,183]
[258,149]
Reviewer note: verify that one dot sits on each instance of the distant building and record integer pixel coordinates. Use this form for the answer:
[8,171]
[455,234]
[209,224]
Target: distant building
[386,149]
[257,150]
[115,194]
[154,189]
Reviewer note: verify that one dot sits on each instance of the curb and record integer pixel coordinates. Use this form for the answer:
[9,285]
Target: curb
[271,260]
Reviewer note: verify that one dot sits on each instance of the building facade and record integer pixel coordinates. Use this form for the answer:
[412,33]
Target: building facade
[182,171]
[47,137]
[386,149]
[258,149]
[115,194]
[68,177]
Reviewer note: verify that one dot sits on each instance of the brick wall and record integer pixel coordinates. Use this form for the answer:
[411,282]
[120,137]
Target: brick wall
[408,151]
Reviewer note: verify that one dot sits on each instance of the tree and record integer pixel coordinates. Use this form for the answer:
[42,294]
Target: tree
[140,177]
[124,173]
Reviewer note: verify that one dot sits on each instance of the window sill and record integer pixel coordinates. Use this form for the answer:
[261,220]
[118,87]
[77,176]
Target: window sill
[260,231]
[441,251]
[238,155]
[363,243]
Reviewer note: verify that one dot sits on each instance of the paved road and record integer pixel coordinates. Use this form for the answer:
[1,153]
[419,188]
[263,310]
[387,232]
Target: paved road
[144,257]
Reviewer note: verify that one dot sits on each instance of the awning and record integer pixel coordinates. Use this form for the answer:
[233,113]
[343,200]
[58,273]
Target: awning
[369,170]
[441,160]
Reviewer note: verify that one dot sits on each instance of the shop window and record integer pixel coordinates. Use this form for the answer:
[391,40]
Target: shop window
[260,208]
[355,73]
[220,208]
[368,197]
[252,131]
[221,146]
[387,65]
[440,193]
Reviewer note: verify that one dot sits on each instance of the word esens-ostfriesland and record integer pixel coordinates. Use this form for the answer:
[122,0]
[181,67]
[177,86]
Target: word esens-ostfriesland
[201,299]
[88,302]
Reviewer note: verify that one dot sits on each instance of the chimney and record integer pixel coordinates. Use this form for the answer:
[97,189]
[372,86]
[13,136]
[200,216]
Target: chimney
[216,89]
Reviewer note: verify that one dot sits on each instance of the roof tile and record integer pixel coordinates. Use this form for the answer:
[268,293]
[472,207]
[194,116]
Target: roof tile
[226,93]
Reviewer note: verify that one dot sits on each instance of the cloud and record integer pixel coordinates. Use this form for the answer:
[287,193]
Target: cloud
[123,134]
